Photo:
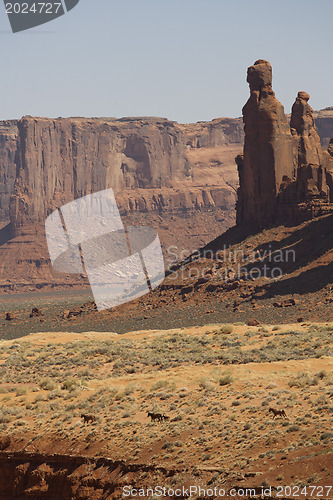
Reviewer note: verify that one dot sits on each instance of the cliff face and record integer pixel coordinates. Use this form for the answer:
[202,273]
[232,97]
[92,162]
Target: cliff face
[284,174]
[218,132]
[324,125]
[8,143]
[60,160]
[187,192]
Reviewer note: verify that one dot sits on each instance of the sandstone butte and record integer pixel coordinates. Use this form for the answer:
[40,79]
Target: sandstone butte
[284,174]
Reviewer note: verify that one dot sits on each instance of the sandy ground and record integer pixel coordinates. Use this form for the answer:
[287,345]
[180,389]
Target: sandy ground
[214,382]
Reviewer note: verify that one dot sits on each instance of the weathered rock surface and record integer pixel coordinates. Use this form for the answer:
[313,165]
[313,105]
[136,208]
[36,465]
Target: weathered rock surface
[145,161]
[311,174]
[324,125]
[330,148]
[219,133]
[284,174]
[268,149]
[302,124]
[187,193]
[60,160]
[328,161]
[8,143]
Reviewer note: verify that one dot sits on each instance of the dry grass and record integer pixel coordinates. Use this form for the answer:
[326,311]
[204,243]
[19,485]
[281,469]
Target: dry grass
[203,378]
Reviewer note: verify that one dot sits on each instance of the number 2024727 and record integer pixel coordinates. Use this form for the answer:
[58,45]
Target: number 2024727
[35,8]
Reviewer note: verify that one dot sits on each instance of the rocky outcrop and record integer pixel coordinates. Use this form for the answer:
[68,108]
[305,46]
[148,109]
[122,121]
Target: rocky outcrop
[145,161]
[218,132]
[311,174]
[8,143]
[179,178]
[330,148]
[56,137]
[302,124]
[70,477]
[283,171]
[328,159]
[268,149]
[324,125]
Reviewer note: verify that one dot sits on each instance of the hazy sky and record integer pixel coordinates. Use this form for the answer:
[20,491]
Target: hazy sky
[181,59]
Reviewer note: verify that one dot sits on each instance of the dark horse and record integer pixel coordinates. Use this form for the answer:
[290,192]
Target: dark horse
[155,416]
[88,418]
[277,413]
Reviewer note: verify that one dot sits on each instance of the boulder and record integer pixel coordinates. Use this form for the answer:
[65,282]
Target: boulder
[36,313]
[285,303]
[253,322]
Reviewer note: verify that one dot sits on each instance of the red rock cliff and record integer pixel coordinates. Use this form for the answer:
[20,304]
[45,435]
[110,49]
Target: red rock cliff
[283,171]
[8,143]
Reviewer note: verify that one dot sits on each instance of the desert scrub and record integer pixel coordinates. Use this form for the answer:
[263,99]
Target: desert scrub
[226,378]
[130,388]
[225,329]
[303,380]
[214,411]
[5,418]
[226,341]
[206,384]
[293,428]
[56,393]
[21,391]
[70,384]
[160,384]
[47,384]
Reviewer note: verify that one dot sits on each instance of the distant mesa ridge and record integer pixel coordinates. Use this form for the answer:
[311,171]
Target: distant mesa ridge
[50,143]
[180,179]
[284,175]
[146,161]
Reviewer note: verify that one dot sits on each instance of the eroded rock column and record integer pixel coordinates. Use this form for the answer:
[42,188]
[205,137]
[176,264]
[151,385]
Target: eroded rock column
[268,150]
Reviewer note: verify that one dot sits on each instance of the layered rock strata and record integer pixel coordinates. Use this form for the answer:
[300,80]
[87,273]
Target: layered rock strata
[145,161]
[283,172]
[8,145]
[268,149]
[187,193]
